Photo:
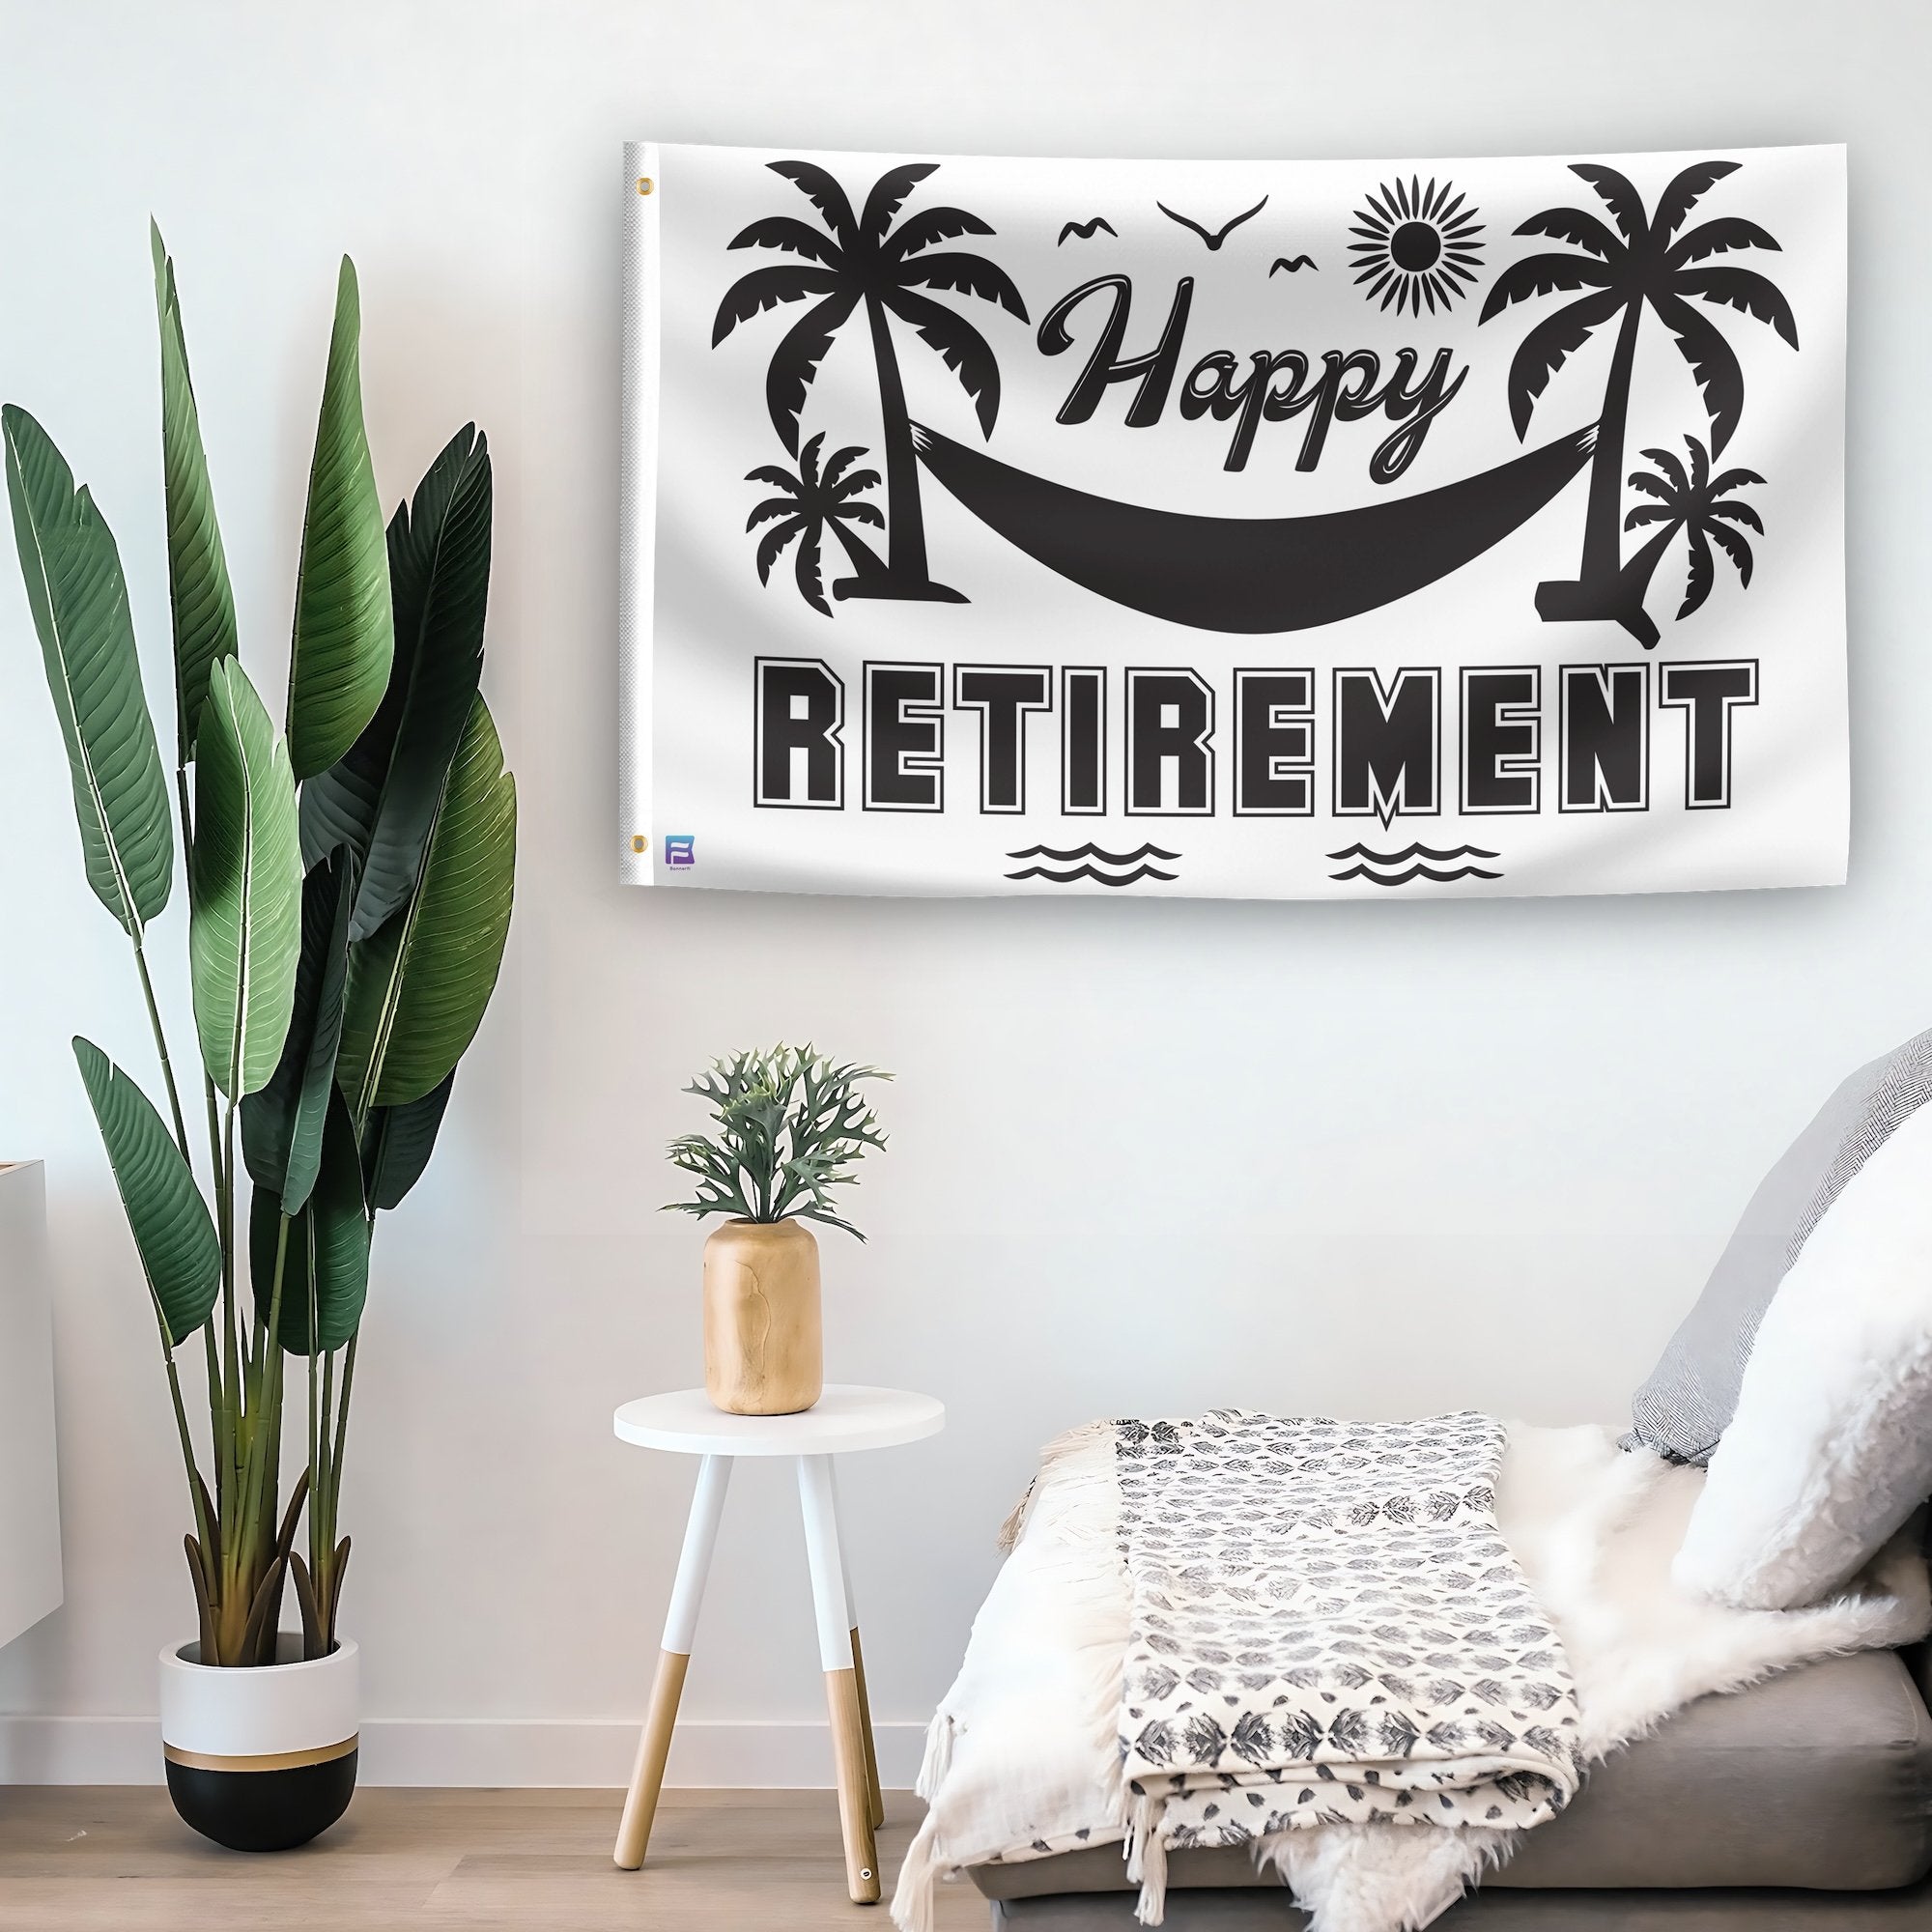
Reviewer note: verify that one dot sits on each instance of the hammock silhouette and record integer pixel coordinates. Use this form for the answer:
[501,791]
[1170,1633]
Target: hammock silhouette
[1253,573]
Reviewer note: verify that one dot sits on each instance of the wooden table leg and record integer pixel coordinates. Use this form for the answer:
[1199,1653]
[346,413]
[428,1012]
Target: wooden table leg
[694,1564]
[878,1797]
[821,1511]
[875,1798]
[855,1807]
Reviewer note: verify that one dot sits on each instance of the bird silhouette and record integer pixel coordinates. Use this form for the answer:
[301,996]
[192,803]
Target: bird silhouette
[1085,229]
[1215,239]
[1294,266]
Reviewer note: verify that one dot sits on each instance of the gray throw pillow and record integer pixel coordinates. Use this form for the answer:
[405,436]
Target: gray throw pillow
[1692,1393]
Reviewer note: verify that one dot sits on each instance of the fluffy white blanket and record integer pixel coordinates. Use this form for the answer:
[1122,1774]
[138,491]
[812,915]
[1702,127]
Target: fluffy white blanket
[1023,1759]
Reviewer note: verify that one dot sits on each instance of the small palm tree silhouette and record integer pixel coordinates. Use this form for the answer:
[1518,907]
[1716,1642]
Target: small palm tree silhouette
[1702,507]
[812,503]
[859,258]
[1646,263]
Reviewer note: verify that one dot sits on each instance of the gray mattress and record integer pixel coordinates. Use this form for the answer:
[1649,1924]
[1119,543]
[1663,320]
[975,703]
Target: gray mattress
[1804,1802]
[1252,1911]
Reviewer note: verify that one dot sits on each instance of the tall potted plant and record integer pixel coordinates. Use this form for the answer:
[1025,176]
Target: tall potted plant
[791,1125]
[349,883]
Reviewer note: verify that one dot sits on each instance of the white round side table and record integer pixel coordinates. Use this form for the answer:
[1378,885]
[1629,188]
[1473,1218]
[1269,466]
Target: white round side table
[845,1418]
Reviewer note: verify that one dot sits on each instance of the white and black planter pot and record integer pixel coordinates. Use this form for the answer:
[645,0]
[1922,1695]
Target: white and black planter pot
[261,1760]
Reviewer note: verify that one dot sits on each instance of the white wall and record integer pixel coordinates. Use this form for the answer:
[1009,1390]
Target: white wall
[1373,1159]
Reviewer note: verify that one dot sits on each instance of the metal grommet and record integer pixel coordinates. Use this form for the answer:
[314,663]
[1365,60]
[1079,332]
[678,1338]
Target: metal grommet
[645,184]
[638,843]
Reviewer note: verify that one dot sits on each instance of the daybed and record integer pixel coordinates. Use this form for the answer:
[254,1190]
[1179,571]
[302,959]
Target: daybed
[1693,1689]
[1803,1802]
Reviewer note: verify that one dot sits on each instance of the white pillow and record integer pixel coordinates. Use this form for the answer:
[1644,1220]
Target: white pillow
[1830,1449]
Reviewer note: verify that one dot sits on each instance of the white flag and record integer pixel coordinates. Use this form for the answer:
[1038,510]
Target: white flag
[1233,528]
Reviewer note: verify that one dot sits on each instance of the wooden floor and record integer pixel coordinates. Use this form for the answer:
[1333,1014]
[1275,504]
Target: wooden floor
[76,1860]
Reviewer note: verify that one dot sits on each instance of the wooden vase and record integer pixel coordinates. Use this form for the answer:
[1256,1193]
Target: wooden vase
[764,1349]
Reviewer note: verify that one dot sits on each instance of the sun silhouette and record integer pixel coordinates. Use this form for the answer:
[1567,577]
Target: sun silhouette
[1419,245]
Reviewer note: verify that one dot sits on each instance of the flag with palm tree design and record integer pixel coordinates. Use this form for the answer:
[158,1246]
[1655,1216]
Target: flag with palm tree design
[971,503]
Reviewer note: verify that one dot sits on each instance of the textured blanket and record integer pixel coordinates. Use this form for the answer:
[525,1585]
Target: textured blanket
[1023,1756]
[1326,1627]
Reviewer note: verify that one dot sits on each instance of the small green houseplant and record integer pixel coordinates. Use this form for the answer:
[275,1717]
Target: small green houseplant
[349,884]
[790,1125]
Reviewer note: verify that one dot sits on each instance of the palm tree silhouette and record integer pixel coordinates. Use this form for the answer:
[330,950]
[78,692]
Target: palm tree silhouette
[1645,263]
[862,259]
[1698,504]
[813,502]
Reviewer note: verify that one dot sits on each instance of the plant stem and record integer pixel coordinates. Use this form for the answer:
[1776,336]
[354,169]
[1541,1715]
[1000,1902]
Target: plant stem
[196,1489]
[162,1047]
[220,1427]
[204,1530]
[324,1444]
[268,1408]
[194,1485]
[321,1511]
[186,814]
[231,1358]
[216,1435]
[316,1433]
[341,1423]
[243,1570]
[326,1542]
[234,1414]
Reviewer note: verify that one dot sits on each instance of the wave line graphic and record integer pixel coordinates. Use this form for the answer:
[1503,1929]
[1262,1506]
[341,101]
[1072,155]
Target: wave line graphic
[1413,852]
[1132,878]
[1416,872]
[1093,851]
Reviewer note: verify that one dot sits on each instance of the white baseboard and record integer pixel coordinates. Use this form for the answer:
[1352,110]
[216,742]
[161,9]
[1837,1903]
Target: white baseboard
[479,1751]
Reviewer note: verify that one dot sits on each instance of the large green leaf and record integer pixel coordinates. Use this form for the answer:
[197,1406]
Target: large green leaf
[418,987]
[245,887]
[281,1126]
[326,1264]
[173,1232]
[380,798]
[344,636]
[198,589]
[398,1142]
[79,601]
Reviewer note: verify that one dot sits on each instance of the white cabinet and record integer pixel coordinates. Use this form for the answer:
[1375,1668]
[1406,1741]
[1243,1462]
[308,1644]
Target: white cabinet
[30,1560]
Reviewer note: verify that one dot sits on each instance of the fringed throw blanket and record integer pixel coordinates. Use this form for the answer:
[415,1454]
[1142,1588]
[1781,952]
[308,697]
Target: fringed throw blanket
[1325,1626]
[1023,1758]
